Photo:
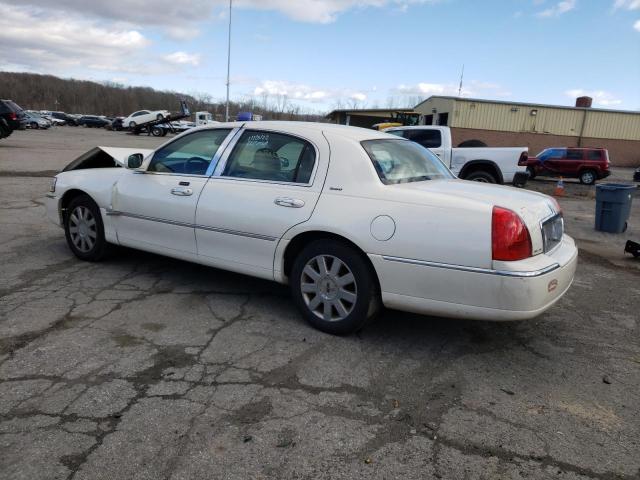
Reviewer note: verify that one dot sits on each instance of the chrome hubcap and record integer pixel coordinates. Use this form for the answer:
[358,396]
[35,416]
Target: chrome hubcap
[82,229]
[328,288]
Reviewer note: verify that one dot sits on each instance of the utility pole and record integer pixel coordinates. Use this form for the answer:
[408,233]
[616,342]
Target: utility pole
[226,115]
[461,77]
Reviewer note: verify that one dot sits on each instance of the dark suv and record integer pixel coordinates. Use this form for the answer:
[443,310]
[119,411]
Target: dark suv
[586,164]
[67,118]
[12,117]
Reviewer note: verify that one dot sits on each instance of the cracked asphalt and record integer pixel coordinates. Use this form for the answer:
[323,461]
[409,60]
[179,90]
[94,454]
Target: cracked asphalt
[144,367]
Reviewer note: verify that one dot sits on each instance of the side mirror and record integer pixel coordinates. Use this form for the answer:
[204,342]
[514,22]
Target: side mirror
[135,160]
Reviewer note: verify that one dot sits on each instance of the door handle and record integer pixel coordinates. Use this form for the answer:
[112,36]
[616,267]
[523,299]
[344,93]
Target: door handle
[181,191]
[289,202]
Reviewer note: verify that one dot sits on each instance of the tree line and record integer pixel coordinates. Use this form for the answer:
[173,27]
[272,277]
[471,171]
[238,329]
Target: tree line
[46,92]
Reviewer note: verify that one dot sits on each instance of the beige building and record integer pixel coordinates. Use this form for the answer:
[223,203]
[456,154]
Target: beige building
[536,126]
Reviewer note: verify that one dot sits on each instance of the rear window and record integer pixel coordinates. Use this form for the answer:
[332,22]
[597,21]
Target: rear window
[426,138]
[401,161]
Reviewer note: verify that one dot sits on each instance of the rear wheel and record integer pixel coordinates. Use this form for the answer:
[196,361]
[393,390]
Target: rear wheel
[481,176]
[159,116]
[588,177]
[334,287]
[34,125]
[532,172]
[132,125]
[84,230]
[157,131]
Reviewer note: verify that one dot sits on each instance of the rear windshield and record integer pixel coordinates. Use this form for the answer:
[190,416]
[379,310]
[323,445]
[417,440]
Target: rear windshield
[402,161]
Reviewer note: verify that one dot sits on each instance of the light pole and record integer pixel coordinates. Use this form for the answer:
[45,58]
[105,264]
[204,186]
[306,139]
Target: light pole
[226,115]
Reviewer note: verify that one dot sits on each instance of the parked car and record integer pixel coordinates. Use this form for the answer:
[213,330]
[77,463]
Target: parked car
[144,116]
[36,121]
[489,165]
[586,164]
[93,121]
[68,119]
[116,124]
[14,117]
[53,120]
[384,222]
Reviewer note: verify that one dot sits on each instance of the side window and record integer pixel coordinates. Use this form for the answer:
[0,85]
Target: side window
[277,157]
[594,155]
[426,138]
[190,154]
[399,133]
[137,114]
[574,154]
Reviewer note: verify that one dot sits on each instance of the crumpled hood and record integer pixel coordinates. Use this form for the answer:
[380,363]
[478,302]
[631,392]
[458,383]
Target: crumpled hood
[121,154]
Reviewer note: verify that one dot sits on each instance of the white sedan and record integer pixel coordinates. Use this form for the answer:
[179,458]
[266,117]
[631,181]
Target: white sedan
[144,116]
[351,219]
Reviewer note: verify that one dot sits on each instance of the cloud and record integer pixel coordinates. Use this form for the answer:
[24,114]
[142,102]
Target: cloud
[302,92]
[627,4]
[36,40]
[183,58]
[472,88]
[170,12]
[600,97]
[636,25]
[558,9]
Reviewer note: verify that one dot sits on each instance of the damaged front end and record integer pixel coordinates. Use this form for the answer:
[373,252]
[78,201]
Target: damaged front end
[104,157]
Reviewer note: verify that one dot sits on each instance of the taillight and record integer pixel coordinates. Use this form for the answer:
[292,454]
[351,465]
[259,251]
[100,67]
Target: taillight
[522,161]
[510,239]
[13,116]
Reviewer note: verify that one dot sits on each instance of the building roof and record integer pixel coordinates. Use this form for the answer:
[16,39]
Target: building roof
[538,105]
[363,111]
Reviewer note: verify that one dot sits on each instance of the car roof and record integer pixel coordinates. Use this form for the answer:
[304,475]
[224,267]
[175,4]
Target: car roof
[353,133]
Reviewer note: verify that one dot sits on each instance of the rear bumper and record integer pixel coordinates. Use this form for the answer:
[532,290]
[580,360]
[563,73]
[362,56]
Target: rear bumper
[605,174]
[458,292]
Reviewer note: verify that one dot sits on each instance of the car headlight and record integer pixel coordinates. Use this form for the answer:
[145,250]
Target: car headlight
[52,185]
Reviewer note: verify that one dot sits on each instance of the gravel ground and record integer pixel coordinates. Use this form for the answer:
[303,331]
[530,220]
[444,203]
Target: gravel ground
[145,367]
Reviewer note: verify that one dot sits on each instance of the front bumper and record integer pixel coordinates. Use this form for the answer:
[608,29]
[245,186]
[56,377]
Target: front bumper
[53,211]
[510,291]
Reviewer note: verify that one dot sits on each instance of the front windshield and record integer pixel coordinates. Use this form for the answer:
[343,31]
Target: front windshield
[403,161]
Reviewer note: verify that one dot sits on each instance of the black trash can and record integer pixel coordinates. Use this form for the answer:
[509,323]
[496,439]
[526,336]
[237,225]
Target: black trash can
[613,205]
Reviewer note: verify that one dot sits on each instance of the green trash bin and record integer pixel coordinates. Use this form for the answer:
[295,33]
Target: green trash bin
[613,205]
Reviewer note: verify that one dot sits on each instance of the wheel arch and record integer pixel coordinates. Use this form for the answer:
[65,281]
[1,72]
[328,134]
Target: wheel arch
[67,198]
[481,164]
[302,239]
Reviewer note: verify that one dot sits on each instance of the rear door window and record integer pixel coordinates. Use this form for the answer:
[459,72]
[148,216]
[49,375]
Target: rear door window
[271,156]
[573,154]
[426,138]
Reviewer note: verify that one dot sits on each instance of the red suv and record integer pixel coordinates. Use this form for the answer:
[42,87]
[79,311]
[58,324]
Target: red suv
[587,164]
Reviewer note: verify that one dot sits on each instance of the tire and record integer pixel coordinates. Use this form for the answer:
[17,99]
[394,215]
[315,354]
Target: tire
[588,177]
[132,125]
[481,176]
[157,131]
[84,230]
[532,172]
[159,117]
[34,126]
[472,144]
[347,307]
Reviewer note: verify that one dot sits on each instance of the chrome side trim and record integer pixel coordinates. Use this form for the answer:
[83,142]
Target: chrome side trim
[488,271]
[257,236]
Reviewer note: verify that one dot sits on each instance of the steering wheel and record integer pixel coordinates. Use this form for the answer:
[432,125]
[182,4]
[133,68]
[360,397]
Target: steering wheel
[196,166]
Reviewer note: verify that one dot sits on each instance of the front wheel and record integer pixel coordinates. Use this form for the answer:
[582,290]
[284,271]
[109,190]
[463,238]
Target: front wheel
[84,230]
[588,177]
[159,117]
[34,125]
[334,287]
[132,125]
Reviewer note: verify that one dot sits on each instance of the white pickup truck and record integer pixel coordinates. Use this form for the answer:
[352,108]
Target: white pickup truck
[482,164]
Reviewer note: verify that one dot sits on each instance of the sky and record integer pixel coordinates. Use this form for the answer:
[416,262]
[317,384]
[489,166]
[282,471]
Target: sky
[326,54]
